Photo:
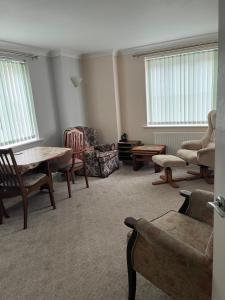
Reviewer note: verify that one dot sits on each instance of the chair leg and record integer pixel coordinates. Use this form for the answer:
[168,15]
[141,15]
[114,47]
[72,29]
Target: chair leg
[25,211]
[4,212]
[51,195]
[73,177]
[130,270]
[85,176]
[167,178]
[68,182]
[1,212]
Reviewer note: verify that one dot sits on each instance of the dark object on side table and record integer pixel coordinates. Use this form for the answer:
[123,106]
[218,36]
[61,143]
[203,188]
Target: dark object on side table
[124,137]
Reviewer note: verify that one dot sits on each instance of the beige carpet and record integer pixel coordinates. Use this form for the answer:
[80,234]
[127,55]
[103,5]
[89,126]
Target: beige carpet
[78,251]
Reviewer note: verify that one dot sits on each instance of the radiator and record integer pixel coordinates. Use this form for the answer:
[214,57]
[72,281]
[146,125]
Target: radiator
[173,140]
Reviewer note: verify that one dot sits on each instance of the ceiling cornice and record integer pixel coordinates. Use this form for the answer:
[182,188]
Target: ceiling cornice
[23,48]
[189,41]
[99,54]
[65,52]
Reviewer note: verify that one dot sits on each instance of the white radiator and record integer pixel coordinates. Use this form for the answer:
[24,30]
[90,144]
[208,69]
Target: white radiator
[173,140]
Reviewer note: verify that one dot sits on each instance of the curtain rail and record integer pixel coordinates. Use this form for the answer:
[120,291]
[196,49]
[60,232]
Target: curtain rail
[203,46]
[12,54]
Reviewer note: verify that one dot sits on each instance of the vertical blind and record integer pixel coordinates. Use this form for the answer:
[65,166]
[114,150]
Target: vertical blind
[181,88]
[17,115]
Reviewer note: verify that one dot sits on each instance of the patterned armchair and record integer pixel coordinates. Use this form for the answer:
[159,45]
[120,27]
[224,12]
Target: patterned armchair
[101,159]
[175,251]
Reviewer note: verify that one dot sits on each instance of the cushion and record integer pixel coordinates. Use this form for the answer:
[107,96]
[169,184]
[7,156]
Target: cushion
[31,179]
[77,163]
[188,155]
[188,230]
[165,161]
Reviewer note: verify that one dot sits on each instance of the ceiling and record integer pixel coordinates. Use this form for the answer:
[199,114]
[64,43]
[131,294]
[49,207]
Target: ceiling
[100,25]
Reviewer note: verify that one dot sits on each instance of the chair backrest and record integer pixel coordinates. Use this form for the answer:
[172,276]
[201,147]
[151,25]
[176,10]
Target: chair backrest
[10,177]
[74,139]
[90,136]
[209,137]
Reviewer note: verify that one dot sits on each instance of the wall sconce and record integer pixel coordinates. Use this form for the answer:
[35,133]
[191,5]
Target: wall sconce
[76,80]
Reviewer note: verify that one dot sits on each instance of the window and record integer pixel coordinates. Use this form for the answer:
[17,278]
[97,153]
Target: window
[181,88]
[17,115]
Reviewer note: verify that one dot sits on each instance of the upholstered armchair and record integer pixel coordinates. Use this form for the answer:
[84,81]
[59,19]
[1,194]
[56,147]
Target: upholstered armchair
[201,152]
[174,251]
[101,159]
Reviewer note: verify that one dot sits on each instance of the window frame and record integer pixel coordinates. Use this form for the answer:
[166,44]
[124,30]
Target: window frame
[36,138]
[171,52]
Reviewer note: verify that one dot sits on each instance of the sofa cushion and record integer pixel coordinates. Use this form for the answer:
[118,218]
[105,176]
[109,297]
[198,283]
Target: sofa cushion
[77,163]
[188,230]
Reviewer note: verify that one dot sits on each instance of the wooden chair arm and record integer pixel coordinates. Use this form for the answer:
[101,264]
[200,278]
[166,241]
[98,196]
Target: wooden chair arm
[130,222]
[185,194]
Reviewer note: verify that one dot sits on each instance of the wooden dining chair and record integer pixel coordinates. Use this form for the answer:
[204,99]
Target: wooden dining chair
[13,183]
[74,139]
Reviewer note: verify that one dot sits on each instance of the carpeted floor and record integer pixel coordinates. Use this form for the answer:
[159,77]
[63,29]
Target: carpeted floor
[78,251]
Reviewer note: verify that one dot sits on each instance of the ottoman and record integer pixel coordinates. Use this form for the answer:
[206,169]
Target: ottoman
[167,162]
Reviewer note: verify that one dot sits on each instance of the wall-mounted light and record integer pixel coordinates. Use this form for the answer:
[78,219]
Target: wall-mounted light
[76,80]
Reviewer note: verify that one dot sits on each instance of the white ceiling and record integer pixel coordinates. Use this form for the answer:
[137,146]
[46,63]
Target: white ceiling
[99,25]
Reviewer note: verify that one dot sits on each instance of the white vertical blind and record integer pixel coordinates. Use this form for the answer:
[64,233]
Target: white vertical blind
[17,115]
[181,88]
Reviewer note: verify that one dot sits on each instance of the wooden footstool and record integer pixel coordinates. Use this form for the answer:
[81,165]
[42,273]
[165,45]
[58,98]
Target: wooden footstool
[167,162]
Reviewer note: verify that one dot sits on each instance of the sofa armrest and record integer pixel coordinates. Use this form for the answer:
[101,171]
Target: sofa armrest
[158,238]
[198,208]
[105,147]
[192,145]
[206,157]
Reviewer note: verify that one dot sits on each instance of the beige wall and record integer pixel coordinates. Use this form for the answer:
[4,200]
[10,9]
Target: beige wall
[133,101]
[101,100]
[99,93]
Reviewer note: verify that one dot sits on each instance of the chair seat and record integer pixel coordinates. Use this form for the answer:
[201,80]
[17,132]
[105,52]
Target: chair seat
[78,163]
[31,179]
[186,229]
[188,155]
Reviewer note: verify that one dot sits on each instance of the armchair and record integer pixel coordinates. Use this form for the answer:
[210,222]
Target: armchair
[201,152]
[101,159]
[175,251]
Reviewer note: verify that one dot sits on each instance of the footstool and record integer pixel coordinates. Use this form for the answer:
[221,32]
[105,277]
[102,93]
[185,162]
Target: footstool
[167,162]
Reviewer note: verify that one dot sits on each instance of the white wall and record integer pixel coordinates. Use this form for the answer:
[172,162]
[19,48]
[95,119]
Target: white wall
[44,101]
[219,223]
[58,104]
[69,99]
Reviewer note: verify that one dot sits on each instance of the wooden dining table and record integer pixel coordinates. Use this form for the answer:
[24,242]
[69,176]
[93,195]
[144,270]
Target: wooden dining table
[31,158]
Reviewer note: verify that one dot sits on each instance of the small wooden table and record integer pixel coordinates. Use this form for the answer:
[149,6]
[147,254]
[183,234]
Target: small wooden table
[143,154]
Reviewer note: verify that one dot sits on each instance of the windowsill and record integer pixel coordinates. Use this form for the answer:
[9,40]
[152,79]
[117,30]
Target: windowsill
[17,145]
[177,126]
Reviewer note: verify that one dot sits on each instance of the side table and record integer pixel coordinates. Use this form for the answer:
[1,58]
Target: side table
[143,154]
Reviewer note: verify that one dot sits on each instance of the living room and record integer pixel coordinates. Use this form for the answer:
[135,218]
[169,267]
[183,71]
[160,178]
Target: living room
[108,116]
